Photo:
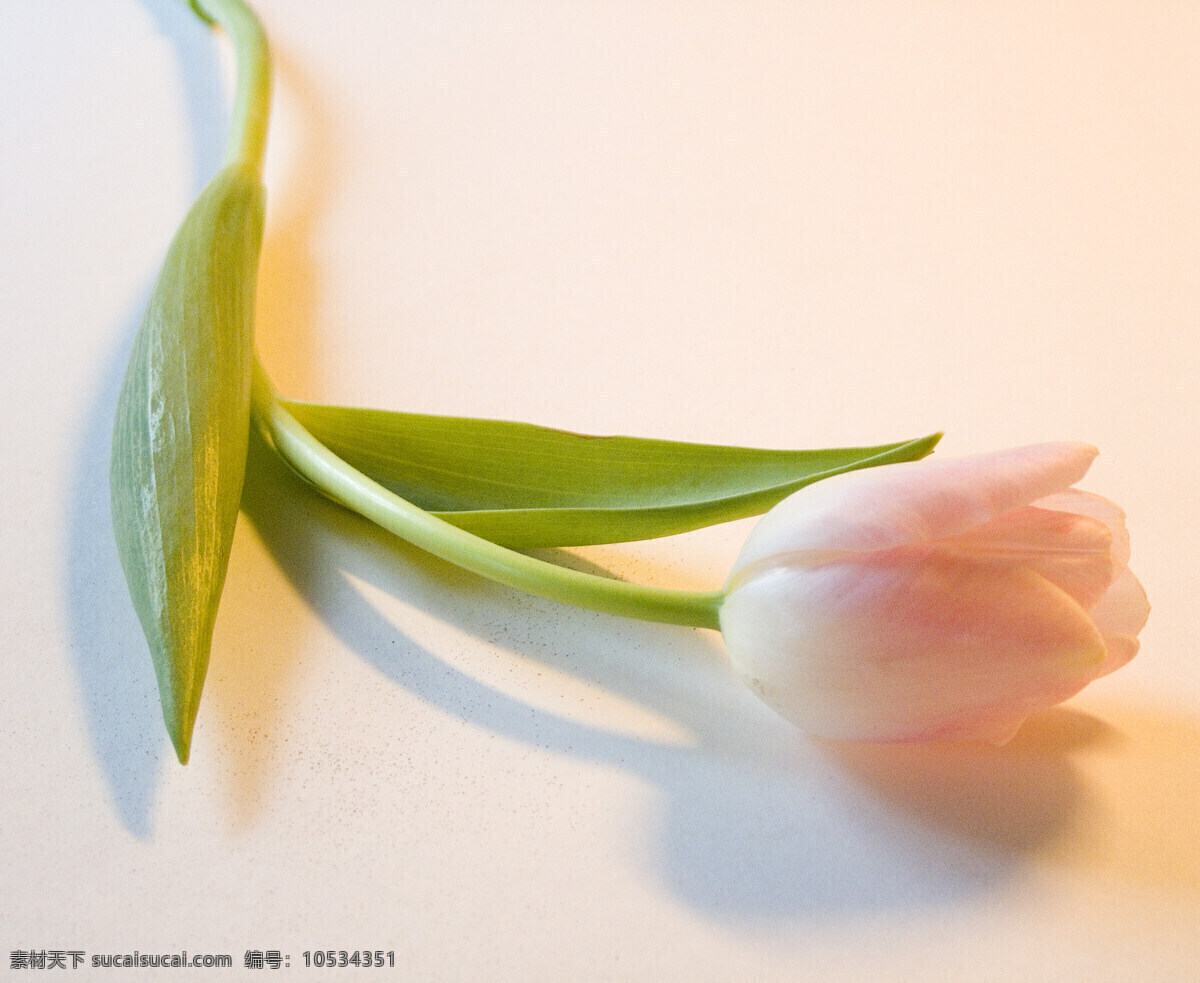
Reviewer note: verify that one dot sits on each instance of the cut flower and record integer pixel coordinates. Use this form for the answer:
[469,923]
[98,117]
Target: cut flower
[944,599]
[939,599]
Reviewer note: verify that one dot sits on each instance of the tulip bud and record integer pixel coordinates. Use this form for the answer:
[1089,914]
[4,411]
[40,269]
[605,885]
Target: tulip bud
[934,600]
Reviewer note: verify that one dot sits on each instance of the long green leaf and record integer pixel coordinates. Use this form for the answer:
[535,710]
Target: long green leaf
[179,445]
[525,486]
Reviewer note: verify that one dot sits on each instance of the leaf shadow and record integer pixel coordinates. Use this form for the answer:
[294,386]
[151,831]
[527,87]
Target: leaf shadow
[117,685]
[116,678]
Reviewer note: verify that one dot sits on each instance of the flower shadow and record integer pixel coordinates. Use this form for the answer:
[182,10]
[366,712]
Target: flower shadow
[1019,797]
[838,827]
[1141,828]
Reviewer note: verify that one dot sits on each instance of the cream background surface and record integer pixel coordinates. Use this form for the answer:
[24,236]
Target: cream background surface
[781,224]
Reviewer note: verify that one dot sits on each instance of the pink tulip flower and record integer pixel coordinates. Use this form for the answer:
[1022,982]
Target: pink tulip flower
[936,600]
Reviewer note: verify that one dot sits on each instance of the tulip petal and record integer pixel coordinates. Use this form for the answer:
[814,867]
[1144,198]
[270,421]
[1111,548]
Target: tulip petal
[1119,616]
[909,645]
[1072,551]
[905,504]
[1098,508]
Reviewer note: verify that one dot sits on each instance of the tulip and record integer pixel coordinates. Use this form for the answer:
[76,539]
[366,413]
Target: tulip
[934,600]
[904,601]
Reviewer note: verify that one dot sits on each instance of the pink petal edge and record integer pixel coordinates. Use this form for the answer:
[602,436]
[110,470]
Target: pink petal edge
[918,502]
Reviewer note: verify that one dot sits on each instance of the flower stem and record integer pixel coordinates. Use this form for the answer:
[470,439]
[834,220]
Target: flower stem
[353,489]
[252,101]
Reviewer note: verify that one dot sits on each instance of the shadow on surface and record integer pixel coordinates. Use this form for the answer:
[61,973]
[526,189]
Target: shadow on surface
[1017,798]
[116,678]
[758,823]
[1143,832]
[837,827]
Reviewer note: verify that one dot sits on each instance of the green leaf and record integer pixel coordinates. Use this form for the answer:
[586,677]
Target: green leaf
[179,444]
[525,486]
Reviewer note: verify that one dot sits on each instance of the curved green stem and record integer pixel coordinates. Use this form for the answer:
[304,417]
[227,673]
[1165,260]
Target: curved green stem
[252,101]
[351,488]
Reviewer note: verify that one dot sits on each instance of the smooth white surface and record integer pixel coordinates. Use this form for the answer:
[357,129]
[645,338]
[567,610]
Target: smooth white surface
[764,223]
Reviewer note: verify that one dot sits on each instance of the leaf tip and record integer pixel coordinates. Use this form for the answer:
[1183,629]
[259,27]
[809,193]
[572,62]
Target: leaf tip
[180,726]
[933,440]
[180,706]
